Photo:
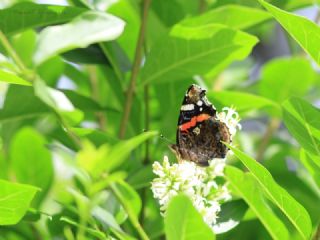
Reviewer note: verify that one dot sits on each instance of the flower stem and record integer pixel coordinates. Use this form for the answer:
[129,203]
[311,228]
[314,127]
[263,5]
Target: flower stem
[135,70]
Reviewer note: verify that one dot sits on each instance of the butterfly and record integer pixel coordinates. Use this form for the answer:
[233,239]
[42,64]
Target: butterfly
[199,133]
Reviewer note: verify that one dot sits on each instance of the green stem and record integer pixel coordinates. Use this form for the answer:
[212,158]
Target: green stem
[271,128]
[12,53]
[147,157]
[134,221]
[93,78]
[135,70]
[74,138]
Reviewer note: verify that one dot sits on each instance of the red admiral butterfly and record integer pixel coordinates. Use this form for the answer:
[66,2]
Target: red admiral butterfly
[199,132]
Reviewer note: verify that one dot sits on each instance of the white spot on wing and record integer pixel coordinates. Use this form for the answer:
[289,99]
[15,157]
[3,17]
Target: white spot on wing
[199,103]
[187,107]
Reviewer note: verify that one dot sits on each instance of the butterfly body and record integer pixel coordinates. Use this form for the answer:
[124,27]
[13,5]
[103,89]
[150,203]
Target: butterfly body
[199,134]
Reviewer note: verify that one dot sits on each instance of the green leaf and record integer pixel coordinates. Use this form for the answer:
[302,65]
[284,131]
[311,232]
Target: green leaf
[19,43]
[281,78]
[293,210]
[301,119]
[246,186]
[304,31]
[230,216]
[177,58]
[12,78]
[312,163]
[126,10]
[29,146]
[58,101]
[89,27]
[142,177]
[15,200]
[182,221]
[245,102]
[30,15]
[128,195]
[235,16]
[17,108]
[107,158]
[93,232]
[168,11]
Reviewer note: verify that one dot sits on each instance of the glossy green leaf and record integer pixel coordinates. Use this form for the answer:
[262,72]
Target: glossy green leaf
[304,31]
[292,209]
[177,58]
[15,200]
[29,146]
[246,186]
[182,221]
[245,102]
[301,119]
[281,78]
[26,15]
[12,78]
[88,28]
[235,16]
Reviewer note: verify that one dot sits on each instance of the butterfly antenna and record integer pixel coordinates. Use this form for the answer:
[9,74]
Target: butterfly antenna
[161,136]
[166,139]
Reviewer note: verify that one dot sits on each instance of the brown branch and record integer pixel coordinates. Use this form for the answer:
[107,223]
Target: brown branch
[316,236]
[135,70]
[202,6]
[271,128]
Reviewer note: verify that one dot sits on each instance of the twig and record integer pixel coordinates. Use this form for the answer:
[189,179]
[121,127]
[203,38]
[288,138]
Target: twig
[135,70]
[134,221]
[317,234]
[202,6]
[271,128]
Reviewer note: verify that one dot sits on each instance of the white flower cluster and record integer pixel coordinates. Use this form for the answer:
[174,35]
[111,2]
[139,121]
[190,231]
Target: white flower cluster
[200,184]
[231,118]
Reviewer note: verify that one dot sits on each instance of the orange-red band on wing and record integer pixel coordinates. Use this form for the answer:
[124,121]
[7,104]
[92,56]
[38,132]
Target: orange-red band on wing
[194,121]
